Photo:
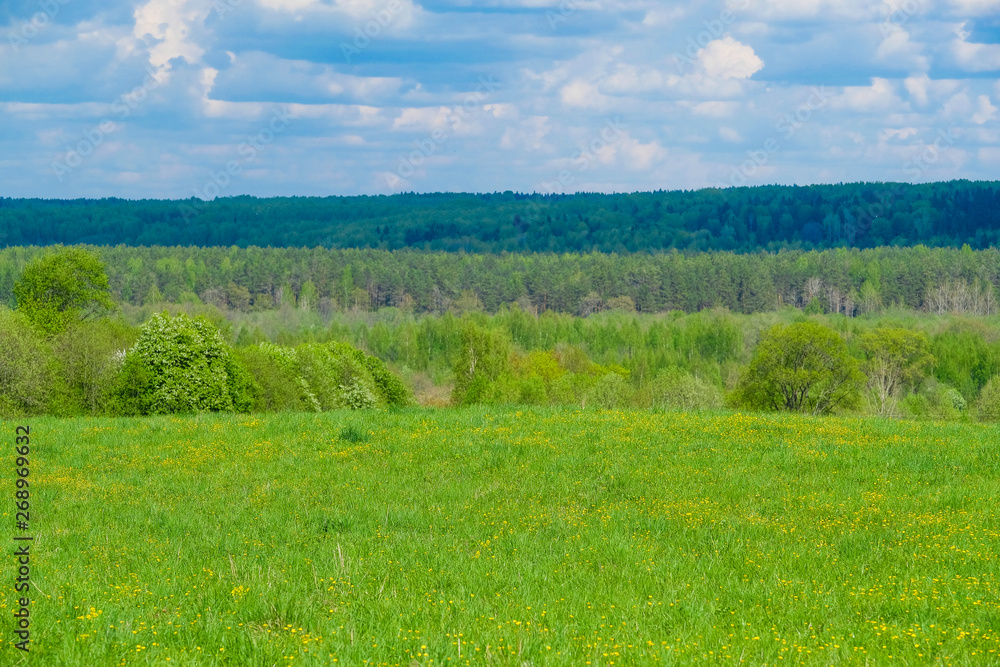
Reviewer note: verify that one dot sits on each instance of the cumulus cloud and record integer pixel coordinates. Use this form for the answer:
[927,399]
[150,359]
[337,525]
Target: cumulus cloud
[727,58]
[844,87]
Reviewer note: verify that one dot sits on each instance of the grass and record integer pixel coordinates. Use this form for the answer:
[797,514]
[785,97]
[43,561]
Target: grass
[495,536]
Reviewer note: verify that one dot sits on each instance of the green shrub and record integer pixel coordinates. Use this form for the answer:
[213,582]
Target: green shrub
[571,388]
[181,364]
[26,367]
[390,388]
[504,390]
[88,357]
[319,377]
[612,392]
[935,400]
[484,358]
[336,377]
[677,389]
[988,405]
[276,372]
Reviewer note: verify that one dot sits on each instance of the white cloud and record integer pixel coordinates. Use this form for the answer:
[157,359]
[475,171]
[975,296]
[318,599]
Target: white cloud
[422,120]
[171,23]
[902,134]
[985,111]
[663,17]
[639,156]
[898,51]
[529,135]
[974,57]
[581,93]
[715,109]
[730,135]
[880,96]
[727,58]
[974,7]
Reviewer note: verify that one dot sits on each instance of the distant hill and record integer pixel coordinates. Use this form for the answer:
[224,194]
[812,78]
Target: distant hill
[738,219]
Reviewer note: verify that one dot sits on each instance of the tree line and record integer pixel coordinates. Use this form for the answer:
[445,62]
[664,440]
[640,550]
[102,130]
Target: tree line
[68,348]
[849,281]
[745,220]
[66,351]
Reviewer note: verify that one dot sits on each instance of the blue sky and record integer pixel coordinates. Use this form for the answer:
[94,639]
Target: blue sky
[206,98]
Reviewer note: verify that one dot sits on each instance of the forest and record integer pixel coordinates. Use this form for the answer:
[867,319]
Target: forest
[70,348]
[848,281]
[744,220]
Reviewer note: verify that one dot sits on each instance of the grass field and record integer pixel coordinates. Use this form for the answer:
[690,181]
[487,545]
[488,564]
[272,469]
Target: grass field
[508,537]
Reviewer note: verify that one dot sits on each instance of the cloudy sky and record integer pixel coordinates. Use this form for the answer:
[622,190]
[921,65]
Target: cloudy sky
[181,98]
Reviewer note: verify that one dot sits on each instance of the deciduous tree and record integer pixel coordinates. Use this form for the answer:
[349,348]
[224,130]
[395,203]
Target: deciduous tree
[58,288]
[802,367]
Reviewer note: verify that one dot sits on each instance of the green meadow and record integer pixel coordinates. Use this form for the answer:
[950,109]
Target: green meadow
[507,537]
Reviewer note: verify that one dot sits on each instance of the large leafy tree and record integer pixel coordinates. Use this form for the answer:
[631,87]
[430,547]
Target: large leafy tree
[803,367]
[894,358]
[62,287]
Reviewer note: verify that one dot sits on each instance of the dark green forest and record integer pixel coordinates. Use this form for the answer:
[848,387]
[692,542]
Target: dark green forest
[743,220]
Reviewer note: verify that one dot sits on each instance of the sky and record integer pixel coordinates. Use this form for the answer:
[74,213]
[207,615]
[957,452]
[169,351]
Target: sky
[217,98]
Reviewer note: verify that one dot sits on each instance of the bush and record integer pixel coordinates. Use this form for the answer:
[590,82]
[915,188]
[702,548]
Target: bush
[390,388]
[988,405]
[612,392]
[181,364]
[88,357]
[674,388]
[935,400]
[484,358]
[276,372]
[321,377]
[26,368]
[337,380]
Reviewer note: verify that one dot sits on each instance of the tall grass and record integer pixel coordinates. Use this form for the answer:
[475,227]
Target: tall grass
[485,536]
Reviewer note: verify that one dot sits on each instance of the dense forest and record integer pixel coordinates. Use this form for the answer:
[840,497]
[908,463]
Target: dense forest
[863,215]
[843,280]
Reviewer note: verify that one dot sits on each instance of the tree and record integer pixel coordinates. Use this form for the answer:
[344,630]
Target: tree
[65,286]
[894,358]
[802,367]
[484,358]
